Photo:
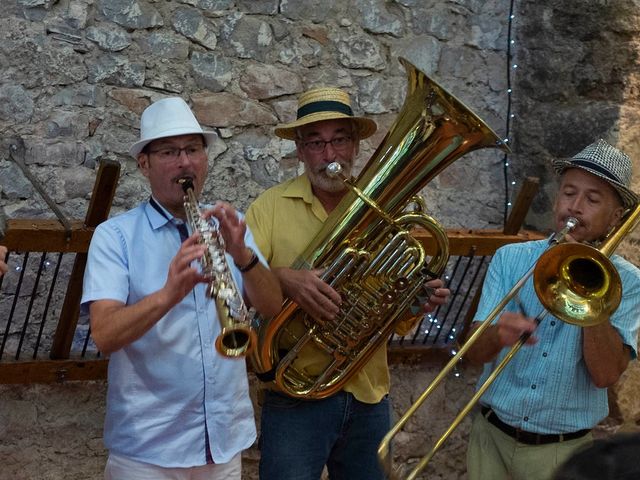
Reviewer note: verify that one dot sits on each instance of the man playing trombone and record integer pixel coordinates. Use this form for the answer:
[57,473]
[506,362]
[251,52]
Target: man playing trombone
[543,405]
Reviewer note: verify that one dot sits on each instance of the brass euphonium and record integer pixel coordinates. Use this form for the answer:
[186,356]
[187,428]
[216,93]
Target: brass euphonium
[236,338]
[365,247]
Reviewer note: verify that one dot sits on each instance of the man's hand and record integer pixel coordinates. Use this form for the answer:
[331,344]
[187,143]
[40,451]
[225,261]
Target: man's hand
[511,326]
[310,292]
[439,294]
[505,333]
[232,230]
[182,276]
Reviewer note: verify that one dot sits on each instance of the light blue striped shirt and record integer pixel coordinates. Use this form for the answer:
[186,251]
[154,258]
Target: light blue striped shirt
[546,387]
[165,385]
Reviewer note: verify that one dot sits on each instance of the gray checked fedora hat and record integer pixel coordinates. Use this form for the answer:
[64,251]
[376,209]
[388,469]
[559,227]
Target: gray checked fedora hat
[168,117]
[325,103]
[606,162]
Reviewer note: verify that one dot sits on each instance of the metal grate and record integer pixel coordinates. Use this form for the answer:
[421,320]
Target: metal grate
[441,328]
[31,297]
[32,292]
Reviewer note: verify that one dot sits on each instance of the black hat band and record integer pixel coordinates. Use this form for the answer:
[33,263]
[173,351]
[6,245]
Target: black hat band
[594,166]
[324,106]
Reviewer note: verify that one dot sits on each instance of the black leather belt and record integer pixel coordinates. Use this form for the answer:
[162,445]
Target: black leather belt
[529,438]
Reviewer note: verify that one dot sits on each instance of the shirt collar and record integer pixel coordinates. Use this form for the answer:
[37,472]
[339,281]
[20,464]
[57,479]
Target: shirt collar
[158,215]
[300,187]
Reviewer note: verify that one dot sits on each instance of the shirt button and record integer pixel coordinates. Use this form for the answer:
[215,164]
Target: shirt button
[526,419]
[545,354]
[533,387]
[553,322]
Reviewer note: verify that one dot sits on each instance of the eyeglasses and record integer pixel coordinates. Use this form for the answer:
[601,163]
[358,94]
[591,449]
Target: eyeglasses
[339,144]
[173,153]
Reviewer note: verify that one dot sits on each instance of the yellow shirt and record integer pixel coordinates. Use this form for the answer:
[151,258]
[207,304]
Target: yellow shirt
[284,220]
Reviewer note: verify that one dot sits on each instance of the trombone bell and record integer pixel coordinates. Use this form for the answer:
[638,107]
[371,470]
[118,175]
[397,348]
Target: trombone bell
[578,284]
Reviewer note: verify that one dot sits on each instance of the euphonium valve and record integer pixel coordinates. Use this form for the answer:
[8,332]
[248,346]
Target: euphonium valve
[236,338]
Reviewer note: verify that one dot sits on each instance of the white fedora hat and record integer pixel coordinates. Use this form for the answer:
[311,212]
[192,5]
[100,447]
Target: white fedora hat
[168,117]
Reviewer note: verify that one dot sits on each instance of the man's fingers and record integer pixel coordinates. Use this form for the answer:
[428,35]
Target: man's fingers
[330,294]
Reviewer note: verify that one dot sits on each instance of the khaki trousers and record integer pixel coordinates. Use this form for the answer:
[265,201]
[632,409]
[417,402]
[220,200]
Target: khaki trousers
[492,454]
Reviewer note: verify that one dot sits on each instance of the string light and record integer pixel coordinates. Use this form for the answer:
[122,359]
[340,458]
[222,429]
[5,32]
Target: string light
[511,66]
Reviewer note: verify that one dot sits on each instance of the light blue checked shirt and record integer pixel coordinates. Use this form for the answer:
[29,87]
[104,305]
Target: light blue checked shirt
[165,385]
[546,387]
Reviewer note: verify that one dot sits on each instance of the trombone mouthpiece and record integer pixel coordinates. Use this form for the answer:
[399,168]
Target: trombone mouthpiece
[572,223]
[334,169]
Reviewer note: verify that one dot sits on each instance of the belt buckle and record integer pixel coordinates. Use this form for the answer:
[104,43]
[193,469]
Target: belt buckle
[520,435]
[528,438]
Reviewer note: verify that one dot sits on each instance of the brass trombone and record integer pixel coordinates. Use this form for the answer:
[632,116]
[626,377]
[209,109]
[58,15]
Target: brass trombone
[575,282]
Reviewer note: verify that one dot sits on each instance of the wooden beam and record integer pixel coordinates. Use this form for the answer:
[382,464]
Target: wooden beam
[104,190]
[475,242]
[58,371]
[39,235]
[52,371]
[522,205]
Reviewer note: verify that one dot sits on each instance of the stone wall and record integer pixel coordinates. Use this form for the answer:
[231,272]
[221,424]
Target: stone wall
[76,74]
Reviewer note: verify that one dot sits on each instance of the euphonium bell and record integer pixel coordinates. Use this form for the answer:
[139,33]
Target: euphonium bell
[366,249]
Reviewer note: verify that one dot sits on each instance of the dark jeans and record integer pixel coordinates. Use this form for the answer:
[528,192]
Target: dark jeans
[300,437]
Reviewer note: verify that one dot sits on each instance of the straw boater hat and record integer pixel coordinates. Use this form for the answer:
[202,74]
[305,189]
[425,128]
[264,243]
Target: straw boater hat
[168,117]
[325,104]
[606,162]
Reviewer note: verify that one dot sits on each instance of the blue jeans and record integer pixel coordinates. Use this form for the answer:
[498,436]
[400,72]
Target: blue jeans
[299,437]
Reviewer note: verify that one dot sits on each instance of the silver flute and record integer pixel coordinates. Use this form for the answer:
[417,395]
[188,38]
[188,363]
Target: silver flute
[236,338]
